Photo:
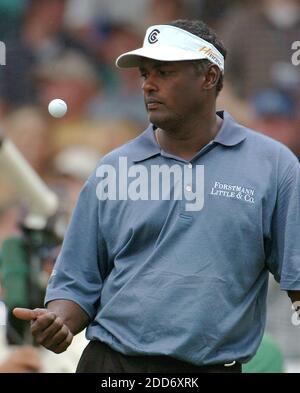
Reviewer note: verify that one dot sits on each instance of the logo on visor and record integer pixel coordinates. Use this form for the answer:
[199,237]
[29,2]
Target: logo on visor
[210,54]
[153,36]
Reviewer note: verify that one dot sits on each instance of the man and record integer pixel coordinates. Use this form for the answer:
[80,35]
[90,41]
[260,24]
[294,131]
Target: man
[171,274]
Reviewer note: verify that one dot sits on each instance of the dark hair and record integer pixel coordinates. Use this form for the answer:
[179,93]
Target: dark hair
[200,29]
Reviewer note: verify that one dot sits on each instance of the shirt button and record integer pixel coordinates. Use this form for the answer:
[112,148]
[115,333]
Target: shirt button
[188,188]
[190,166]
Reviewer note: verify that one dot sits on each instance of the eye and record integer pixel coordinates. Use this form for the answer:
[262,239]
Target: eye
[162,72]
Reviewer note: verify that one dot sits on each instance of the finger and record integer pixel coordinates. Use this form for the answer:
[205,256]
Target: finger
[24,313]
[42,323]
[65,344]
[46,335]
[59,337]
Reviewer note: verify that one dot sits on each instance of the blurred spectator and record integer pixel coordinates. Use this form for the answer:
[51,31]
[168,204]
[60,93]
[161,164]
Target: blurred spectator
[213,12]
[71,168]
[24,359]
[90,122]
[160,12]
[111,40]
[239,108]
[76,161]
[122,96]
[276,113]
[40,37]
[81,14]
[10,15]
[258,39]
[101,135]
[70,76]
[29,129]
[9,216]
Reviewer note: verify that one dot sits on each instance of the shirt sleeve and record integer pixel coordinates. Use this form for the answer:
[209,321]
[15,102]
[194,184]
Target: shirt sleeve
[284,260]
[77,272]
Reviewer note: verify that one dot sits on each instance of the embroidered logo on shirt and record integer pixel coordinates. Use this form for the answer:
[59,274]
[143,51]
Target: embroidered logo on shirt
[233,191]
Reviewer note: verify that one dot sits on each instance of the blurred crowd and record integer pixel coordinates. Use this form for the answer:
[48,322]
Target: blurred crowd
[67,49]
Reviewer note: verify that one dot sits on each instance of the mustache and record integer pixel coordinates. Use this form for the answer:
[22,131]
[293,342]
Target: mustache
[152,100]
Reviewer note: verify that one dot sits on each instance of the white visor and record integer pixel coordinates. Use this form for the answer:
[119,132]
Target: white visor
[169,43]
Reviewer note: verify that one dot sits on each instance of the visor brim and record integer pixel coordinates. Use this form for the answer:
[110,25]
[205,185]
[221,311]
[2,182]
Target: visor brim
[161,53]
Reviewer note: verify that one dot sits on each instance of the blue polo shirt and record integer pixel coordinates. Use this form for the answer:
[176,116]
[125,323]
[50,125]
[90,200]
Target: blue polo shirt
[159,277]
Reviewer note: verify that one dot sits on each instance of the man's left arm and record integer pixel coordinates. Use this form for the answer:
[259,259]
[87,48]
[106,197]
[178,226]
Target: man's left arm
[290,229]
[284,259]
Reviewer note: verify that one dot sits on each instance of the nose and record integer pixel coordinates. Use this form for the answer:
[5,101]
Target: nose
[150,84]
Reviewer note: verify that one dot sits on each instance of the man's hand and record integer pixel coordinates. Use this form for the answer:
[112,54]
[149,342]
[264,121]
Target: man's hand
[22,360]
[47,328]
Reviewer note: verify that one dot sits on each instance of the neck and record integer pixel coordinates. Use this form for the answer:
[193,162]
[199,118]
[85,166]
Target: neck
[186,140]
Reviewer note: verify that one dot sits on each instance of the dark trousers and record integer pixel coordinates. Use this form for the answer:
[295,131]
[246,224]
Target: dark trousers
[100,358]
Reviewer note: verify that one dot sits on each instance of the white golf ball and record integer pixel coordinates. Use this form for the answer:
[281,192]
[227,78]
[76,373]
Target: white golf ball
[57,108]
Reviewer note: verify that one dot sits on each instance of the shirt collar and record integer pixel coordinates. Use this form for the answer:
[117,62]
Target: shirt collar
[145,145]
[230,134]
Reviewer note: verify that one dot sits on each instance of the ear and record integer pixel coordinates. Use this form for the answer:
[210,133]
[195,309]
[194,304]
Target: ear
[212,76]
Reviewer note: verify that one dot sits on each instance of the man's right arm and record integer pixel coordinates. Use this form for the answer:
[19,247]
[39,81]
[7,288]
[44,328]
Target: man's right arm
[55,326]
